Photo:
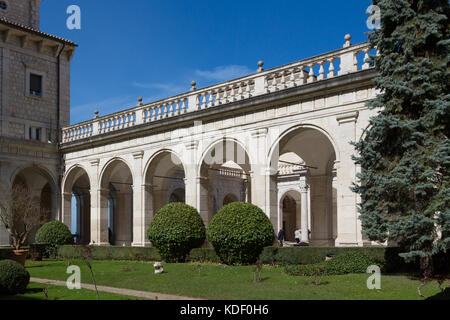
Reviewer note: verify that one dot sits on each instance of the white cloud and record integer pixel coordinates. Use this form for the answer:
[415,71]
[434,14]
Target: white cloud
[223,73]
[164,88]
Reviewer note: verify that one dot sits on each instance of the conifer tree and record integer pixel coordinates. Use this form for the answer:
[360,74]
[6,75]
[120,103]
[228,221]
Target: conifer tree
[404,182]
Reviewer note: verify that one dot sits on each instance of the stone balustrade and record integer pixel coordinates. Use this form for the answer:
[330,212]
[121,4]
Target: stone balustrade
[227,172]
[325,66]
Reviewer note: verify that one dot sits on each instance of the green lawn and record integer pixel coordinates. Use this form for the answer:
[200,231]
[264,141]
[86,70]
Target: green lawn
[35,291]
[224,282]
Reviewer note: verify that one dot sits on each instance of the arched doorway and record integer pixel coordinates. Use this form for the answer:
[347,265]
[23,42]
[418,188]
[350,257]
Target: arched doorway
[291,214]
[225,171]
[117,203]
[164,180]
[77,204]
[38,190]
[306,156]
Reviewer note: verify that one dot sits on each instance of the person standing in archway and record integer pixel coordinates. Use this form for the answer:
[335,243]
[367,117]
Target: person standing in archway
[298,235]
[281,237]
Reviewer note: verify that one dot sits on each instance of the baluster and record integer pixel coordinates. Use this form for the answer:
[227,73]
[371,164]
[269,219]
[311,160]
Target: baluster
[283,80]
[233,93]
[301,78]
[366,64]
[274,83]
[217,93]
[247,89]
[211,99]
[224,96]
[331,69]
[167,110]
[184,106]
[291,82]
[153,113]
[311,76]
[321,71]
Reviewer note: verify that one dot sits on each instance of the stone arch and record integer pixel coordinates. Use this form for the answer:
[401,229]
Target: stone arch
[77,203]
[116,203]
[317,149]
[40,183]
[225,167]
[272,152]
[290,204]
[164,176]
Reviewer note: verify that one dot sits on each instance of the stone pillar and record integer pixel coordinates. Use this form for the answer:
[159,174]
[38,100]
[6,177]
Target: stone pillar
[258,182]
[67,209]
[190,181]
[99,208]
[349,233]
[147,191]
[305,214]
[202,184]
[139,221]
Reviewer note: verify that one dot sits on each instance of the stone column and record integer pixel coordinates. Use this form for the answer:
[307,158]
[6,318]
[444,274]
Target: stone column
[99,208]
[147,191]
[139,226]
[258,182]
[67,209]
[304,220]
[190,181]
[305,205]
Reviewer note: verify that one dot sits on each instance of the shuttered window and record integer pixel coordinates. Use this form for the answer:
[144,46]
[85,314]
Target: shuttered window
[35,85]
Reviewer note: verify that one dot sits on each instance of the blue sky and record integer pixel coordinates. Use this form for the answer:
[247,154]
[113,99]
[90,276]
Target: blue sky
[154,49]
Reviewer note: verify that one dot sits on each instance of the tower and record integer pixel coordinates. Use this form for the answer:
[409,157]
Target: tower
[34,103]
[24,12]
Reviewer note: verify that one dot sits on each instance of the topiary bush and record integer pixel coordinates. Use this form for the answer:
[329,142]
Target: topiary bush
[14,278]
[239,232]
[175,230]
[54,234]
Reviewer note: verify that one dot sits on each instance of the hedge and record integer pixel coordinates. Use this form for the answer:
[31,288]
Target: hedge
[354,261]
[203,255]
[387,258]
[112,253]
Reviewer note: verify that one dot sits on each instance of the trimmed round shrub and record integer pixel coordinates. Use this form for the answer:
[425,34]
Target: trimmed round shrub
[54,234]
[14,278]
[239,232]
[175,230]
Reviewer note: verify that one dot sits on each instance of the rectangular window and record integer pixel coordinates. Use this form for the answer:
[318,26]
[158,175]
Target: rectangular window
[36,85]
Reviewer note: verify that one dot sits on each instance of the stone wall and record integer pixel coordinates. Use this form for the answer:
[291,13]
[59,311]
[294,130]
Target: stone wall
[25,12]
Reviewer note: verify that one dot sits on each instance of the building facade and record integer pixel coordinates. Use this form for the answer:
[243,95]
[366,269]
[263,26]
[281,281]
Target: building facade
[34,104]
[278,138]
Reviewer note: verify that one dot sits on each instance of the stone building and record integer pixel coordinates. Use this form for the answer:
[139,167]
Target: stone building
[277,138]
[34,104]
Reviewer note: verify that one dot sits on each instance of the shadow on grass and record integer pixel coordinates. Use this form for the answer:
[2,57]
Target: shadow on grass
[444,295]
[24,296]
